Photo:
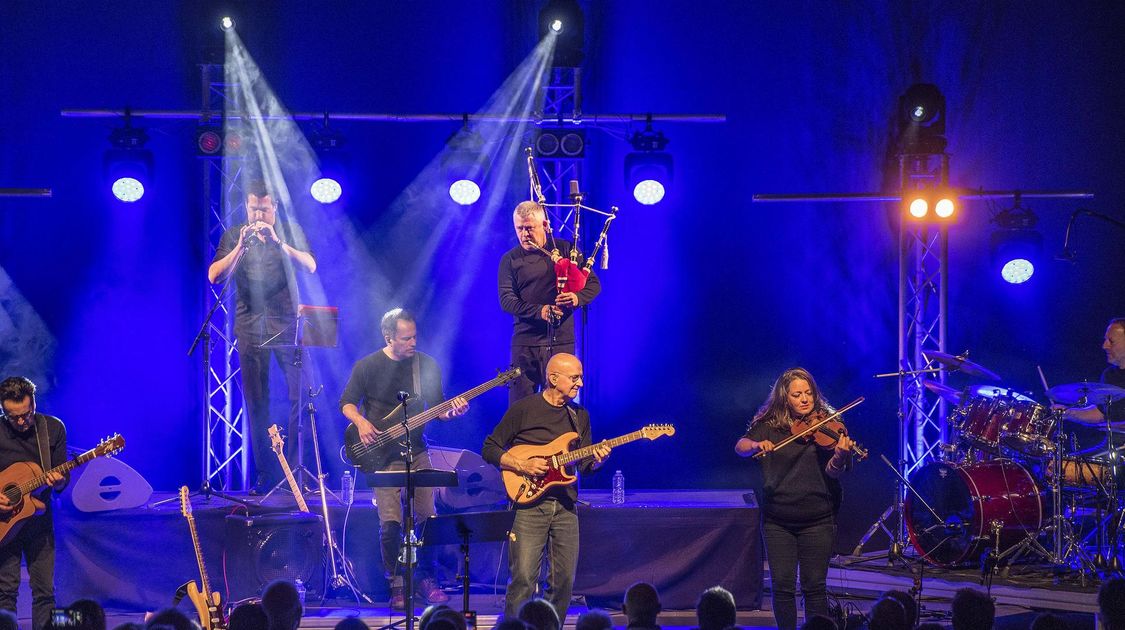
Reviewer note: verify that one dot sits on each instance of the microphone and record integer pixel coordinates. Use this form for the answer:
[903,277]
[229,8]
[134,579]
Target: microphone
[402,396]
[1066,255]
[575,194]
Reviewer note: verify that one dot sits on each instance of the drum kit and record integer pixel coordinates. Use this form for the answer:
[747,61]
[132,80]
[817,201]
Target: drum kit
[1013,485]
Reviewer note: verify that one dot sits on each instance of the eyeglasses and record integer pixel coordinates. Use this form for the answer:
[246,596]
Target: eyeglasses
[22,417]
[576,378]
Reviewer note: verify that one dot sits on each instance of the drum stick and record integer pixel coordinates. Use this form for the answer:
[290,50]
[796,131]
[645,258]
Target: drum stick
[1043,379]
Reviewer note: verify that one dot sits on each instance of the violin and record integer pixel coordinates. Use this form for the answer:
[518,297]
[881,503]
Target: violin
[827,435]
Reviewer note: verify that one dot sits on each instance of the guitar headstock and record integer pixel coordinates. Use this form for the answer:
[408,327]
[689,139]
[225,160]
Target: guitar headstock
[110,446]
[276,441]
[653,431]
[508,376]
[185,501]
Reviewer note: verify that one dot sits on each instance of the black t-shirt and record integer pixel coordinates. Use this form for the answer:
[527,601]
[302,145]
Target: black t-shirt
[533,420]
[376,380]
[265,285]
[795,489]
[1115,411]
[526,281]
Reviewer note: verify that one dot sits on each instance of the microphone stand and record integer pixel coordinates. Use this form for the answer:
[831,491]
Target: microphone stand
[409,540]
[1066,254]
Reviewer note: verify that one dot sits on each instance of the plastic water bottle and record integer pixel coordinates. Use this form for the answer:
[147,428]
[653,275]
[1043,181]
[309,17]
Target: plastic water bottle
[300,586]
[347,488]
[618,488]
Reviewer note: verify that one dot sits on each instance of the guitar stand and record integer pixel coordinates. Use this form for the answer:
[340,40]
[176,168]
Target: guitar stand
[207,491]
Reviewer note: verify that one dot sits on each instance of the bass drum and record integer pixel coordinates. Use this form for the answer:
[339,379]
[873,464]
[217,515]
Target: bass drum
[969,499]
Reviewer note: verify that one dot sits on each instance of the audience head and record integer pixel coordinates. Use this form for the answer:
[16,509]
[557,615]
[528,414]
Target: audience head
[282,605]
[1111,604]
[930,625]
[350,622]
[819,622]
[972,610]
[511,623]
[887,614]
[93,615]
[129,625]
[539,614]
[1047,621]
[248,617]
[429,612]
[8,620]
[641,605]
[715,610]
[908,605]
[170,618]
[445,618]
[594,620]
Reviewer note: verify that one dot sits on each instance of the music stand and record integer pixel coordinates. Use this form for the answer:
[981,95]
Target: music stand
[315,327]
[463,529]
[410,479]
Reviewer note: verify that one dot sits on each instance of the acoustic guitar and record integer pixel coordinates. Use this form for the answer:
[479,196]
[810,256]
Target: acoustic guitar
[21,479]
[277,443]
[387,445]
[208,604]
[524,489]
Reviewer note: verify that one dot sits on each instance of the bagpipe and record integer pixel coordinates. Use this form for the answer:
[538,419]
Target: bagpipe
[571,276]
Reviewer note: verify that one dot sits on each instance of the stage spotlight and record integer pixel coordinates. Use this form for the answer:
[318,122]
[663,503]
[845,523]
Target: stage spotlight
[128,163]
[919,208]
[464,165]
[944,208]
[648,169]
[564,19]
[1016,246]
[209,140]
[922,119]
[326,190]
[226,23]
[327,187]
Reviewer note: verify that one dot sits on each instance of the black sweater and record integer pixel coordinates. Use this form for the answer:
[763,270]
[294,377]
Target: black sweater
[24,447]
[795,489]
[526,282]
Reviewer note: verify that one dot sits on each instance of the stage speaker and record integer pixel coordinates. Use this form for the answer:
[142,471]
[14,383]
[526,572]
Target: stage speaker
[478,486]
[107,483]
[267,547]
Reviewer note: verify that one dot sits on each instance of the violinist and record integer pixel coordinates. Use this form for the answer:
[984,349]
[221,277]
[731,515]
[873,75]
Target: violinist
[542,324]
[800,496]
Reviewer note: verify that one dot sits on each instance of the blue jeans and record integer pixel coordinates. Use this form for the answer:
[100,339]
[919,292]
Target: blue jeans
[551,525]
[808,547]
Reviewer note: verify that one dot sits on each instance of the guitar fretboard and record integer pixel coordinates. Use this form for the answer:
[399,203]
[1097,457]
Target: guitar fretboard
[588,451]
[39,481]
[206,584]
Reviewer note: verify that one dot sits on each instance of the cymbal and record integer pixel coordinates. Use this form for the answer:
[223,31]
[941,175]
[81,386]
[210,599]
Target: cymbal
[944,391]
[1085,393]
[994,391]
[955,362]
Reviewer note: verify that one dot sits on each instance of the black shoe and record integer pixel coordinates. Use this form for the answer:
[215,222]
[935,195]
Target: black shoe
[260,488]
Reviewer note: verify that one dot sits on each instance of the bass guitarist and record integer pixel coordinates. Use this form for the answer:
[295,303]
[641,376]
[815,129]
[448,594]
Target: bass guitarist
[371,393]
[551,521]
[28,436]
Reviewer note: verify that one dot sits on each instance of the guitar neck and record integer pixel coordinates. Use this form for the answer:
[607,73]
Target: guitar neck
[396,432]
[33,484]
[297,494]
[588,451]
[205,583]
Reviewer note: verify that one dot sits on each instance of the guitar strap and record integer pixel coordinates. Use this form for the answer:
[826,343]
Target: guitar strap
[417,367]
[44,442]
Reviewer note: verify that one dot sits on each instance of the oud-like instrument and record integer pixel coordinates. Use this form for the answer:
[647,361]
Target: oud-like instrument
[523,489]
[277,443]
[208,603]
[387,445]
[21,479]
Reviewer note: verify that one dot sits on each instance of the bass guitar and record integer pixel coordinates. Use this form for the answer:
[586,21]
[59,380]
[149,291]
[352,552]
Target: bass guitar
[277,443]
[524,489]
[207,604]
[22,478]
[373,457]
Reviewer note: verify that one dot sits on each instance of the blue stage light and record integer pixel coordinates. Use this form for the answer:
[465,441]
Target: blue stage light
[648,170]
[1017,271]
[1015,251]
[326,190]
[226,23]
[556,25]
[464,191]
[128,189]
[128,164]
[648,192]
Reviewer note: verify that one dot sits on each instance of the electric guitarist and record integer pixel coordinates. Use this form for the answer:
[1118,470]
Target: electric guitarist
[540,419]
[371,393]
[29,436]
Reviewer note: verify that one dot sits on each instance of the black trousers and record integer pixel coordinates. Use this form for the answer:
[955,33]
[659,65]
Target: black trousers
[254,363]
[35,543]
[789,548]
[532,362]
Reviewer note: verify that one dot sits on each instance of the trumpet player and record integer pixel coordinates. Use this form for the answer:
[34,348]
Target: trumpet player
[529,288]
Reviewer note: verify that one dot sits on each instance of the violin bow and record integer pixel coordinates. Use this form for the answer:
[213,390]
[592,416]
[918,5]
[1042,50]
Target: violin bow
[811,428]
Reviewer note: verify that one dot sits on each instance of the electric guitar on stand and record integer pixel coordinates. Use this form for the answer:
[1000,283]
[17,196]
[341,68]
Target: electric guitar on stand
[207,603]
[278,446]
[523,489]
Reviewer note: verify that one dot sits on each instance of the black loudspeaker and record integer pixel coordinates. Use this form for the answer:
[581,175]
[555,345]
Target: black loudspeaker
[268,547]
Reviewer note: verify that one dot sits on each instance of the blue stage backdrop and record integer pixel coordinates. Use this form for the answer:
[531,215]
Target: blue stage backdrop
[709,296]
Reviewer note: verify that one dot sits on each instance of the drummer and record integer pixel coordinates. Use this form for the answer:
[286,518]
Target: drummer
[1093,413]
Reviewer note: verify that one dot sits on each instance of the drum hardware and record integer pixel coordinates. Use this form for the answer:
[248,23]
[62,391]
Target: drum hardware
[961,363]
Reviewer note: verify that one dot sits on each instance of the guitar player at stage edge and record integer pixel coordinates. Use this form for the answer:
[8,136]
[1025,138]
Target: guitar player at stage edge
[552,520]
[28,436]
